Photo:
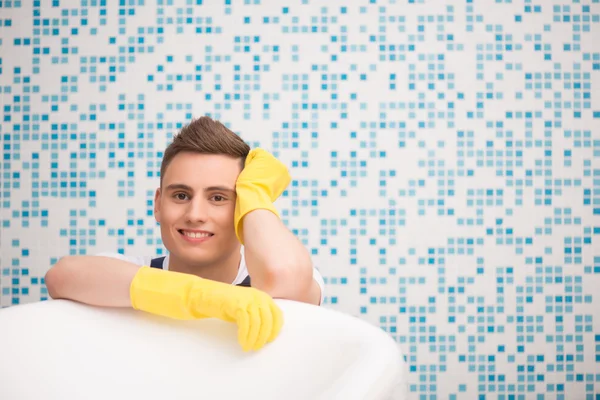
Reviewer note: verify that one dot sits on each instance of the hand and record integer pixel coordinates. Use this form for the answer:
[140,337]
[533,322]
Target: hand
[258,317]
[261,182]
[265,171]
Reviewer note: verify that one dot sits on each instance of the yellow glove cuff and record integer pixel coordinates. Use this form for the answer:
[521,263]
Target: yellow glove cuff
[250,197]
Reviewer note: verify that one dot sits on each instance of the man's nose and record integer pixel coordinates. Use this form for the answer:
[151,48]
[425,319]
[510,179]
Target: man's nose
[197,210]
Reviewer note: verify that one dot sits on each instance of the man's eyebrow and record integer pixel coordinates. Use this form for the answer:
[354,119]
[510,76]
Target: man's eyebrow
[219,189]
[182,186]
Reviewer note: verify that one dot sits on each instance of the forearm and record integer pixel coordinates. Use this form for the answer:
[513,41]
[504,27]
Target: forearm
[277,261]
[94,280]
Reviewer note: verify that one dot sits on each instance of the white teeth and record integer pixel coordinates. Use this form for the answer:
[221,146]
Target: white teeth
[196,235]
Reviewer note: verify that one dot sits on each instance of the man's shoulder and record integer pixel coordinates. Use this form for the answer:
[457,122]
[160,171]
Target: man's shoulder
[138,260]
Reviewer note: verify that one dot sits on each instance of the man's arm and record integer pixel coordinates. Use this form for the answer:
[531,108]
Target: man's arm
[94,280]
[277,261]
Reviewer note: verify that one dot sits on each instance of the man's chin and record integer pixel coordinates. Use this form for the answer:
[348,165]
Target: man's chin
[199,259]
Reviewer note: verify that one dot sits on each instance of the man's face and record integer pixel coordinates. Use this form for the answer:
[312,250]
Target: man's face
[195,208]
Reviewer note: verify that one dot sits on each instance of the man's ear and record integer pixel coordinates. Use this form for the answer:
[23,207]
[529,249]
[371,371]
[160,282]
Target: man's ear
[157,205]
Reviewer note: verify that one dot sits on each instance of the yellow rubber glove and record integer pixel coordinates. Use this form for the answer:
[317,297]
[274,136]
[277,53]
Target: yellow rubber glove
[260,183]
[185,296]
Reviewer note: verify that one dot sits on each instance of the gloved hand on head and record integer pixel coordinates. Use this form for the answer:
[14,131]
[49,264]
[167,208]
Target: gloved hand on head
[261,182]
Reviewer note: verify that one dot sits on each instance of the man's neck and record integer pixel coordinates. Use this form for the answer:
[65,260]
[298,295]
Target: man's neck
[224,271]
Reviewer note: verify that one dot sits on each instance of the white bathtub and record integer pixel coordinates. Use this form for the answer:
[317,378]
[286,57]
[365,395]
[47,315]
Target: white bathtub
[65,350]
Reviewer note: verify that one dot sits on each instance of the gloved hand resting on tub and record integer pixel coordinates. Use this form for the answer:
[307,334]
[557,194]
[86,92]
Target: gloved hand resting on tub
[185,297]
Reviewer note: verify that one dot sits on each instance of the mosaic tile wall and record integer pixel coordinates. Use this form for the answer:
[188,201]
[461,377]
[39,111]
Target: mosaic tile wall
[445,157]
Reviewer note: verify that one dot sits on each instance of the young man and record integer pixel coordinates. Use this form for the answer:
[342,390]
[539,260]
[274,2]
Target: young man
[229,253]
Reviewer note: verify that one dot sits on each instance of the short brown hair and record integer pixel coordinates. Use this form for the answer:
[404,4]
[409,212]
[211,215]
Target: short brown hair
[206,136]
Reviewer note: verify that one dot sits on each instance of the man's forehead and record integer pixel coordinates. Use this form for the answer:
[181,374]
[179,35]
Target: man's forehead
[201,171]
[202,167]
[205,159]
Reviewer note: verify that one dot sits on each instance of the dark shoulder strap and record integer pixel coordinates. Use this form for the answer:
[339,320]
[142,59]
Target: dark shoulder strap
[157,262]
[245,282]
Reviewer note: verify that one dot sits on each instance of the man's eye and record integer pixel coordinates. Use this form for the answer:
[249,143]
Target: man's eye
[218,198]
[178,196]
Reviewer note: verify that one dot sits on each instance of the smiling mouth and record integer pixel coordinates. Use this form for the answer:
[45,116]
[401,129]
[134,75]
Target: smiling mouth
[195,235]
